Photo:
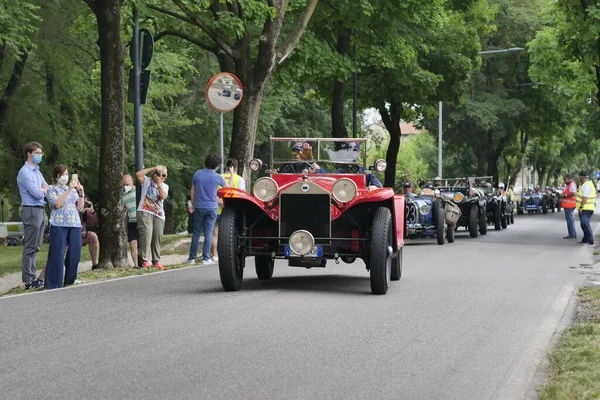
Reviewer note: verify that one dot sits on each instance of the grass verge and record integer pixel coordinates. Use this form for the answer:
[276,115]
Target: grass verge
[102,275]
[10,256]
[575,362]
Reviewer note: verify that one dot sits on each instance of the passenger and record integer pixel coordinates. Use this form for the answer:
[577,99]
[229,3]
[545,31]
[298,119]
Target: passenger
[302,153]
[408,189]
[372,181]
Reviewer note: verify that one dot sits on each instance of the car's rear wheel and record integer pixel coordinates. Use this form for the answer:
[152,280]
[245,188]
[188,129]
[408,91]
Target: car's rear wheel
[231,257]
[519,208]
[473,220]
[544,208]
[264,264]
[440,221]
[504,223]
[380,257]
[397,265]
[483,223]
[450,233]
[512,217]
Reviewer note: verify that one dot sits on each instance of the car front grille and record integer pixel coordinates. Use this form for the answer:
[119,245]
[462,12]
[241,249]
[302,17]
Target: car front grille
[310,212]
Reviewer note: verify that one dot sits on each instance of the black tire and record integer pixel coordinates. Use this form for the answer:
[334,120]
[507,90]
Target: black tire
[380,260]
[397,265]
[498,217]
[231,260]
[504,217]
[473,220]
[483,223]
[264,265]
[439,216]
[519,208]
[450,233]
[512,218]
[544,208]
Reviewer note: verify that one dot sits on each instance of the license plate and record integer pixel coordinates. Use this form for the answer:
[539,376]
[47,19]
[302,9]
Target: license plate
[316,252]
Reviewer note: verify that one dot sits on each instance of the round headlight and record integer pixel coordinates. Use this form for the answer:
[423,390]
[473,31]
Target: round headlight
[302,242]
[380,165]
[344,190]
[458,197]
[265,189]
[424,209]
[255,164]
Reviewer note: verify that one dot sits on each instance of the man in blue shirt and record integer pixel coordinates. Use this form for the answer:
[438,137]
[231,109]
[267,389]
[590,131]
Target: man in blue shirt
[205,206]
[372,181]
[32,187]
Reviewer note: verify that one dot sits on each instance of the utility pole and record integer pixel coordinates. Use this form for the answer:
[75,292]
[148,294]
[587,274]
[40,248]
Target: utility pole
[137,102]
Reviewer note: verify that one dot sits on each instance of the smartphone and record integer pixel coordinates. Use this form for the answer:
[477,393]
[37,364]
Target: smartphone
[75,178]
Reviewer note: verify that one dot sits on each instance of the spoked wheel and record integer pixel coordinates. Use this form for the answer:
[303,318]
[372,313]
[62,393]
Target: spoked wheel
[397,265]
[231,256]
[264,266]
[439,216]
[380,250]
[473,220]
[450,233]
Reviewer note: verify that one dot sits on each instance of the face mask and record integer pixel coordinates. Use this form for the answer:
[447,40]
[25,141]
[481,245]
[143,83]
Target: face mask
[127,188]
[63,179]
[37,158]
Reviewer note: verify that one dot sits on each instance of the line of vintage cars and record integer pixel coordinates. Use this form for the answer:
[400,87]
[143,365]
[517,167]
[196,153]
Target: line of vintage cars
[541,202]
[317,200]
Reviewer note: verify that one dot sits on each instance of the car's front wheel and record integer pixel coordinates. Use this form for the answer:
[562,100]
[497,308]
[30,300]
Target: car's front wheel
[450,233]
[498,217]
[440,221]
[264,265]
[483,223]
[231,256]
[473,220]
[380,250]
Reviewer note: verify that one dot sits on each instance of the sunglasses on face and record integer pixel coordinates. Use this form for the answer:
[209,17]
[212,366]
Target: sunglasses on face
[160,175]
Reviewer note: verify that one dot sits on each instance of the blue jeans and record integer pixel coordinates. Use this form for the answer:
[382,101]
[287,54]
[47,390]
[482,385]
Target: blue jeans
[204,222]
[585,219]
[60,237]
[570,222]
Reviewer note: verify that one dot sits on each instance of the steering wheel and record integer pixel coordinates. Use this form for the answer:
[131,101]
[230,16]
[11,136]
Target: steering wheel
[295,168]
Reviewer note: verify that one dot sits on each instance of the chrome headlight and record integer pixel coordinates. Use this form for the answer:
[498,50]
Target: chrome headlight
[424,209]
[256,164]
[302,242]
[344,190]
[458,197]
[265,189]
[380,165]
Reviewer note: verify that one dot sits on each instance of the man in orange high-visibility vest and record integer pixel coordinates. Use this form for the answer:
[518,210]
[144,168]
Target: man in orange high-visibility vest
[569,202]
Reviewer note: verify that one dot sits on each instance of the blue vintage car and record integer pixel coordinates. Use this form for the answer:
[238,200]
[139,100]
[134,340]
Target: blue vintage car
[534,203]
[425,217]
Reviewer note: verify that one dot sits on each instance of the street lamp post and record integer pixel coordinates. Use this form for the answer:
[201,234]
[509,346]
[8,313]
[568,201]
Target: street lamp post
[441,104]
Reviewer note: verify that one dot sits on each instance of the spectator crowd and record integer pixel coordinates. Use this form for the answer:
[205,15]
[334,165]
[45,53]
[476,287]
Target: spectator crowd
[71,212]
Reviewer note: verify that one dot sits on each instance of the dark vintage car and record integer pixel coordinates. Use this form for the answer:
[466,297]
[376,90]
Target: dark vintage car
[497,209]
[237,95]
[428,214]
[552,200]
[328,211]
[471,201]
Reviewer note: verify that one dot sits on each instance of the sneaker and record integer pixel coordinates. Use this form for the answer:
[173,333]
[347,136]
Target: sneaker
[145,264]
[78,282]
[34,284]
[215,259]
[587,245]
[570,237]
[157,265]
[94,267]
[189,261]
[207,262]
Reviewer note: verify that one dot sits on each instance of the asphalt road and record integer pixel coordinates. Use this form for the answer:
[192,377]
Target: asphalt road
[469,320]
[221,102]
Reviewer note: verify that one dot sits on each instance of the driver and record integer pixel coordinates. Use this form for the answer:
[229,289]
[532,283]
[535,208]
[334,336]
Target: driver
[408,188]
[302,153]
[372,181]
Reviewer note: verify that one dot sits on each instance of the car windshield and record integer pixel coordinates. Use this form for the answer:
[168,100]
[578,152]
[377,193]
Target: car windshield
[331,155]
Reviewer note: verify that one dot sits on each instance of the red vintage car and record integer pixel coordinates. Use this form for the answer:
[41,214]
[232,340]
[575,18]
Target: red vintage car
[316,202]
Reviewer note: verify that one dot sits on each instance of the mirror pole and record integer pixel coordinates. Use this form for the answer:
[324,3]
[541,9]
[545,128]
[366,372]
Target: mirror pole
[221,141]
[137,106]
[354,95]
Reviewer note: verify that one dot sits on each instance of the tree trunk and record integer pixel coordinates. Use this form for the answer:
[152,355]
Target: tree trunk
[112,230]
[11,88]
[391,120]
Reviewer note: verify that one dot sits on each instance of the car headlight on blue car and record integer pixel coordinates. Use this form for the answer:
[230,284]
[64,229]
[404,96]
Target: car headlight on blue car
[424,209]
